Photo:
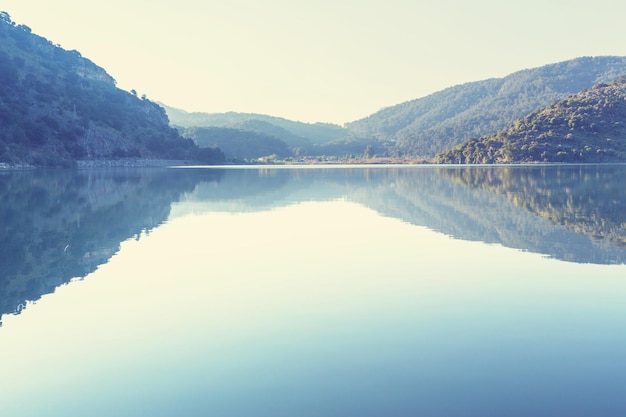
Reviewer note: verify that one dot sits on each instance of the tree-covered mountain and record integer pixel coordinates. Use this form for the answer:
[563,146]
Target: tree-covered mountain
[293,132]
[585,127]
[312,139]
[57,106]
[435,123]
[239,144]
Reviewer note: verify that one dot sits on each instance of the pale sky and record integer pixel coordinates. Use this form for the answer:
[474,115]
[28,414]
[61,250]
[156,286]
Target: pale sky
[325,60]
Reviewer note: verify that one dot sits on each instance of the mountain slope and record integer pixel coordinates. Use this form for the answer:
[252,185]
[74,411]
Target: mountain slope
[57,107]
[314,139]
[435,123]
[586,127]
[296,134]
[237,144]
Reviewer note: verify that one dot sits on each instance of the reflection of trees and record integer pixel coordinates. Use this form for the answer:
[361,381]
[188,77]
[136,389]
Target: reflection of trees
[63,224]
[587,199]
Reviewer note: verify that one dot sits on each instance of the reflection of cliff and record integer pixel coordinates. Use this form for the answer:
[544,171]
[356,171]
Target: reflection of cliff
[63,224]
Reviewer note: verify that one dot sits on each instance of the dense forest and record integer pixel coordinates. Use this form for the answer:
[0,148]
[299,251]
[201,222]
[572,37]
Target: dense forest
[57,107]
[435,123]
[585,127]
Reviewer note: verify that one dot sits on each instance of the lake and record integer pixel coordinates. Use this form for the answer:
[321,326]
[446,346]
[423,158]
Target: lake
[314,291]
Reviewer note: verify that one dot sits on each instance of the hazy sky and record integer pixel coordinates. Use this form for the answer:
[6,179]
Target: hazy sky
[323,60]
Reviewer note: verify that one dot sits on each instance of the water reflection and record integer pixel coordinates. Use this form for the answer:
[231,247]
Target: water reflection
[61,225]
[589,199]
[571,213]
[574,214]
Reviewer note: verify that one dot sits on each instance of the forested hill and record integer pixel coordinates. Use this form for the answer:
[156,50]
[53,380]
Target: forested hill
[586,127]
[295,133]
[261,133]
[430,125]
[57,106]
[239,145]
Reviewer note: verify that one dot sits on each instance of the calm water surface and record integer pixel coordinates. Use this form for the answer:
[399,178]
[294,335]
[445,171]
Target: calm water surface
[413,291]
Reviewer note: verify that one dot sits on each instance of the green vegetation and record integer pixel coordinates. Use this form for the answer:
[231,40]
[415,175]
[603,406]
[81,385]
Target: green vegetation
[239,144]
[585,127]
[57,107]
[259,134]
[292,132]
[433,124]
[418,129]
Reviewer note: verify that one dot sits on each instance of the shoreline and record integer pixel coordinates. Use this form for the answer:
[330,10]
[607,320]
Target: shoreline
[102,163]
[159,163]
[163,163]
[129,163]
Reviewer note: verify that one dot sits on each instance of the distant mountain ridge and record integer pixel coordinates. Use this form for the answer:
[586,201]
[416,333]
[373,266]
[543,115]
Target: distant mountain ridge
[589,126]
[239,145]
[295,133]
[313,139]
[435,123]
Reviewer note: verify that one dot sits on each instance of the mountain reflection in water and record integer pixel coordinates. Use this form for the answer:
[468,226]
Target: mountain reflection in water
[589,199]
[61,225]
